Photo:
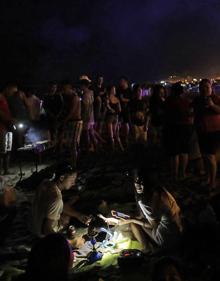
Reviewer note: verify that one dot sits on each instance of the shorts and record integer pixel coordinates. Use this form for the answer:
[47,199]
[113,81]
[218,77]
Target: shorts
[209,142]
[177,138]
[72,132]
[112,118]
[6,139]
[88,126]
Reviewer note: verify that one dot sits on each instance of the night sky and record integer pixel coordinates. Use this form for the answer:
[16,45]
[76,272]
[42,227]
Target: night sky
[143,40]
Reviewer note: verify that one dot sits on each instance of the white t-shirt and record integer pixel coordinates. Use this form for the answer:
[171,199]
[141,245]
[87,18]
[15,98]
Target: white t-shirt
[47,204]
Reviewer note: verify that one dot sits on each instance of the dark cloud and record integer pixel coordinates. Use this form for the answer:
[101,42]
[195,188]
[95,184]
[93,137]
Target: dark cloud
[142,39]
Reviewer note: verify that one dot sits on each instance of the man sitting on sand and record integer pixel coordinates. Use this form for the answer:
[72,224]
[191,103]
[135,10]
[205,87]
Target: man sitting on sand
[48,207]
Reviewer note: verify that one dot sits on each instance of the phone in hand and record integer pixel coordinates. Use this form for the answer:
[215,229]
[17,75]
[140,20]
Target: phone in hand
[119,215]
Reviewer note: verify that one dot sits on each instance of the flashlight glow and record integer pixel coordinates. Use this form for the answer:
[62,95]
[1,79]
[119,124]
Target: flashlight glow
[20,125]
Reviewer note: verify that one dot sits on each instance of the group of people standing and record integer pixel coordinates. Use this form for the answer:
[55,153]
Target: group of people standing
[92,116]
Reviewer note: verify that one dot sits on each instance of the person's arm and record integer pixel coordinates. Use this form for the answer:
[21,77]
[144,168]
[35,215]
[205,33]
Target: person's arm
[215,107]
[114,221]
[136,221]
[108,106]
[119,106]
[69,211]
[148,119]
[48,226]
[124,100]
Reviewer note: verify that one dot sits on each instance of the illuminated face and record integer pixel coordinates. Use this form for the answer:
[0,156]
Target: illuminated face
[206,89]
[139,187]
[69,180]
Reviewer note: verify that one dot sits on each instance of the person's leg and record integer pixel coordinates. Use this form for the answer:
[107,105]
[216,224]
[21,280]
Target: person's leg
[116,135]
[8,148]
[183,164]
[59,143]
[126,130]
[110,134]
[98,137]
[175,167]
[93,139]
[1,163]
[6,163]
[76,131]
[86,136]
[212,169]
[140,236]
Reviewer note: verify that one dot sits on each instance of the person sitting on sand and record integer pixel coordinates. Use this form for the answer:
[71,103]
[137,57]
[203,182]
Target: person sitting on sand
[48,207]
[159,224]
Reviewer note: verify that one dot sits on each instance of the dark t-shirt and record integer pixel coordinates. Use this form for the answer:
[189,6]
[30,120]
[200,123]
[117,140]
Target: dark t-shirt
[206,119]
[17,108]
[53,104]
[125,106]
[67,105]
[178,111]
[200,102]
[157,111]
[126,94]
[98,90]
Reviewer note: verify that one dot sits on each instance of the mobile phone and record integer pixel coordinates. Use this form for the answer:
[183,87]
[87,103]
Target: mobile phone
[119,215]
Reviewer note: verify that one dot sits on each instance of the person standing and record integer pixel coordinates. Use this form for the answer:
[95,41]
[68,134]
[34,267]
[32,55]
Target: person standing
[99,104]
[6,124]
[139,116]
[207,121]
[124,93]
[178,129]
[53,104]
[73,125]
[89,137]
[113,110]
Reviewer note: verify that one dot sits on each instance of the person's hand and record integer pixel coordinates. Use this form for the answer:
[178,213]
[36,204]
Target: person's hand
[111,221]
[84,219]
[210,102]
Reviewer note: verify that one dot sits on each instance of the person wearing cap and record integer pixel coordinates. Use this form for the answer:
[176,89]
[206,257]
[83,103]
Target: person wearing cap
[48,207]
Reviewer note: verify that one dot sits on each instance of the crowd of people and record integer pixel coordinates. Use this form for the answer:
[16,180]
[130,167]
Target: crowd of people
[90,117]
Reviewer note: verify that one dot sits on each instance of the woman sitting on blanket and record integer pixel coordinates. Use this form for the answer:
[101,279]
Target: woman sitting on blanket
[159,223]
